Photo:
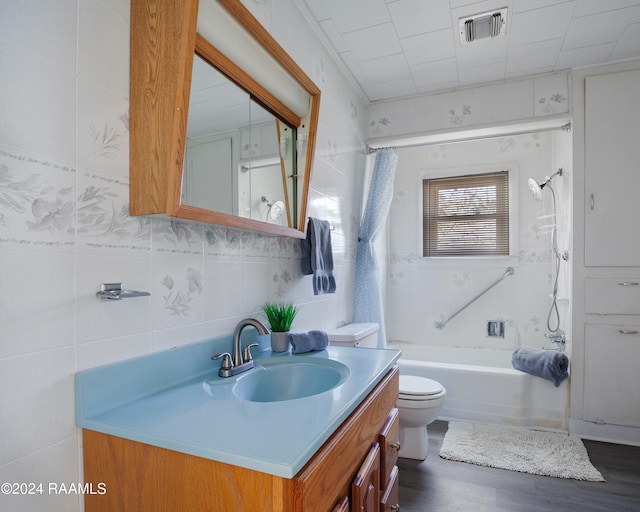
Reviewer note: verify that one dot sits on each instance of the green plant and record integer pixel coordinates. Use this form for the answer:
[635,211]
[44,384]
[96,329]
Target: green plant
[280,315]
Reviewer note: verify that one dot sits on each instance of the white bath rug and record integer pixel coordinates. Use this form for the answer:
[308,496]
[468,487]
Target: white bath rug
[519,449]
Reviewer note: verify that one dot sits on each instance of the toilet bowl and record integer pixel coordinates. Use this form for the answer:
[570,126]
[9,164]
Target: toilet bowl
[419,404]
[420,399]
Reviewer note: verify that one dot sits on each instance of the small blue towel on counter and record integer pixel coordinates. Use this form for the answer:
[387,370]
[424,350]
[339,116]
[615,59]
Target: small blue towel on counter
[308,341]
[548,364]
[317,257]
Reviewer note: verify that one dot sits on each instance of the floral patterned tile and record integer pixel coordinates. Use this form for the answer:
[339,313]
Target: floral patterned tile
[255,246]
[172,237]
[551,95]
[285,248]
[37,210]
[177,288]
[221,241]
[104,223]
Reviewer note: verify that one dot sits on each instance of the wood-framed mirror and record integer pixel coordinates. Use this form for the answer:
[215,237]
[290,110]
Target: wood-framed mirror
[186,159]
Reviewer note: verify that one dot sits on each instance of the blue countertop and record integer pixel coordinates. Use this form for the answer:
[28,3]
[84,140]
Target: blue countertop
[176,400]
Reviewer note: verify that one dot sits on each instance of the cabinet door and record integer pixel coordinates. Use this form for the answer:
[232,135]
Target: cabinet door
[612,171]
[390,501]
[612,379]
[389,440]
[342,505]
[365,489]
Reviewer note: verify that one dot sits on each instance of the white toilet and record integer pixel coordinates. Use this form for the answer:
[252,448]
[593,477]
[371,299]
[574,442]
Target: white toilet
[419,404]
[420,399]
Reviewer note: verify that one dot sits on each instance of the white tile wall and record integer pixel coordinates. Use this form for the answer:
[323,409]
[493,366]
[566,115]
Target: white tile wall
[422,291]
[65,228]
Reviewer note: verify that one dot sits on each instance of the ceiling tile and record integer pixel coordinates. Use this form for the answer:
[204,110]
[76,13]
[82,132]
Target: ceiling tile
[352,64]
[396,89]
[427,47]
[482,52]
[317,8]
[587,7]
[373,42]
[380,39]
[598,28]
[413,17]
[480,74]
[357,14]
[463,3]
[441,71]
[539,56]
[528,5]
[334,36]
[583,56]
[629,43]
[540,24]
[386,69]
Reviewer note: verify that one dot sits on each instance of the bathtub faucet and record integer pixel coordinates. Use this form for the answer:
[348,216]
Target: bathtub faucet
[557,337]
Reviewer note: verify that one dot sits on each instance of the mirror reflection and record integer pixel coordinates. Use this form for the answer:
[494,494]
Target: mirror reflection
[239,157]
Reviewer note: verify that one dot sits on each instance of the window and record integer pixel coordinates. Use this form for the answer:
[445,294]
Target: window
[466,215]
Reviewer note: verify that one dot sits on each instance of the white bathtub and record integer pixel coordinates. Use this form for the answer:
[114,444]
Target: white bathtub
[482,386]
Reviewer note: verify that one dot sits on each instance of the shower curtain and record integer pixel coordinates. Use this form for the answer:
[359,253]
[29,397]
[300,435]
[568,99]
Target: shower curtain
[367,302]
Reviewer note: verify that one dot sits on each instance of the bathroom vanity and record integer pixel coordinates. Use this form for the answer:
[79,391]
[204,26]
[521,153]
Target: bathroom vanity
[161,434]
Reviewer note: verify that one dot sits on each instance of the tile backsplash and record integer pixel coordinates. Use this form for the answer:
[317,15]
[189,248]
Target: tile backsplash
[65,227]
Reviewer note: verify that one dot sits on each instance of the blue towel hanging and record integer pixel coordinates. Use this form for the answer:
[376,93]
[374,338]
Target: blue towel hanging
[317,256]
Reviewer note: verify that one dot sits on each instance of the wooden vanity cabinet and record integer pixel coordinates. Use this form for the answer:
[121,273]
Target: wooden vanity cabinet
[140,477]
[389,440]
[390,497]
[365,489]
[342,505]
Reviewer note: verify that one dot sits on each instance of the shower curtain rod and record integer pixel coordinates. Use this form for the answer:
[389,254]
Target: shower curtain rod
[465,136]
[507,273]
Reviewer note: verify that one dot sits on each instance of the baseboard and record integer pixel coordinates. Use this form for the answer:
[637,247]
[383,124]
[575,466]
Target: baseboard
[608,433]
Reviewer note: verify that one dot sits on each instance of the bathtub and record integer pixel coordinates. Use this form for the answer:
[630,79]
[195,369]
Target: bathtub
[482,386]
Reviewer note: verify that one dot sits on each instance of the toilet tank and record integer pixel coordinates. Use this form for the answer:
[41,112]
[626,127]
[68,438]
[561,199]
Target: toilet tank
[355,335]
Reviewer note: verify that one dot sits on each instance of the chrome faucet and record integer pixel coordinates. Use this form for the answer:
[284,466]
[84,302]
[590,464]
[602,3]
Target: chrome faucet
[241,360]
[557,337]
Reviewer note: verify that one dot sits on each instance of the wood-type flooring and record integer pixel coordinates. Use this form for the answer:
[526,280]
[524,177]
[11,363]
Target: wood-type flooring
[439,485]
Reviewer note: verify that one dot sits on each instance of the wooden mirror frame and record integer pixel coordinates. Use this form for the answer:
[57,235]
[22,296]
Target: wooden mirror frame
[163,44]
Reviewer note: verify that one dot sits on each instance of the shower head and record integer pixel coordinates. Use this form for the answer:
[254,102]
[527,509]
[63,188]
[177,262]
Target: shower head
[536,188]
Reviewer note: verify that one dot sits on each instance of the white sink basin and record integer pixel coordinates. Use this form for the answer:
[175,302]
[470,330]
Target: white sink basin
[279,380]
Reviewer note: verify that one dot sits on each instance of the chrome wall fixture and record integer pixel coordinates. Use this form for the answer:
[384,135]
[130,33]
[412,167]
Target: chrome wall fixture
[116,291]
[507,273]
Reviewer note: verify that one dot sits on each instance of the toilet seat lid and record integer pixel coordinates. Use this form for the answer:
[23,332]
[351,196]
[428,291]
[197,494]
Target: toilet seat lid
[419,386]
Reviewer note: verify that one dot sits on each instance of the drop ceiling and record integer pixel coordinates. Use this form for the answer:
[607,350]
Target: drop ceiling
[398,48]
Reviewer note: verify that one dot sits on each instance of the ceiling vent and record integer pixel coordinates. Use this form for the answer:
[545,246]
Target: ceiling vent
[482,26]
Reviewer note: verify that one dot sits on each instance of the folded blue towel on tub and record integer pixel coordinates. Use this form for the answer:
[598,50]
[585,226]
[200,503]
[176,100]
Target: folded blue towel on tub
[308,341]
[548,364]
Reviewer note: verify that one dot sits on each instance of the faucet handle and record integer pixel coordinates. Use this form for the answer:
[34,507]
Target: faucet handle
[246,354]
[227,364]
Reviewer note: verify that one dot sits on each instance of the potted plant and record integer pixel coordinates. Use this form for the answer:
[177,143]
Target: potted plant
[280,317]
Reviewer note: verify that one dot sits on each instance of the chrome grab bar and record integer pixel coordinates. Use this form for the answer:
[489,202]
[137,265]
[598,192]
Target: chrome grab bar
[507,273]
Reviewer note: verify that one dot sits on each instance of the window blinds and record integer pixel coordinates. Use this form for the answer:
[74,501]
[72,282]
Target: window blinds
[466,215]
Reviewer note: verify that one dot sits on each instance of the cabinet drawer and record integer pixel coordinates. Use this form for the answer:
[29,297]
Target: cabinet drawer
[389,440]
[390,498]
[365,490]
[611,296]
